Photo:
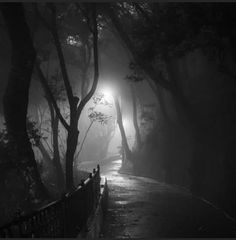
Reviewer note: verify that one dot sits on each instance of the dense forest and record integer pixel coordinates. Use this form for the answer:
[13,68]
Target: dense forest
[81,82]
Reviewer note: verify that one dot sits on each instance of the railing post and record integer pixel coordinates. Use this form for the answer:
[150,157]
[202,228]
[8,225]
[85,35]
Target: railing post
[92,205]
[99,180]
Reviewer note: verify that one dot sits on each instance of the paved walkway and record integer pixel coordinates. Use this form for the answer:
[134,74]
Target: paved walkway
[144,208]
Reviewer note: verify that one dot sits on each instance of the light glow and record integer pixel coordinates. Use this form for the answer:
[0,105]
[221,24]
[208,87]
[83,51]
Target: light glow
[108,94]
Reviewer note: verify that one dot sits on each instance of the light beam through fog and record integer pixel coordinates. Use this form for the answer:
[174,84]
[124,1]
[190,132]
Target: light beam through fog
[108,93]
[146,90]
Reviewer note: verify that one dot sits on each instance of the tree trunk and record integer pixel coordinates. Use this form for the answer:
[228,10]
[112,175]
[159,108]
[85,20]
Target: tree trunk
[128,153]
[83,141]
[55,130]
[72,139]
[55,143]
[75,111]
[135,118]
[56,153]
[15,100]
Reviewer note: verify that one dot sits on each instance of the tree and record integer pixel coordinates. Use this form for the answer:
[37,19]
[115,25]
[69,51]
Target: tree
[99,117]
[115,14]
[15,99]
[58,93]
[133,79]
[160,35]
[76,105]
[149,27]
[125,146]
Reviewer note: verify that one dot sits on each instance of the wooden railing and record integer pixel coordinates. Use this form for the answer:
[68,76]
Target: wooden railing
[63,218]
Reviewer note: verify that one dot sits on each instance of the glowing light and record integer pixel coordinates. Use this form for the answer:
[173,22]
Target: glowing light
[108,93]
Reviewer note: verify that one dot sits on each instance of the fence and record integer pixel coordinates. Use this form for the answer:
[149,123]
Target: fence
[63,218]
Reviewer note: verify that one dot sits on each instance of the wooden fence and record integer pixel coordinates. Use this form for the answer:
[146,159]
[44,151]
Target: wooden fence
[65,217]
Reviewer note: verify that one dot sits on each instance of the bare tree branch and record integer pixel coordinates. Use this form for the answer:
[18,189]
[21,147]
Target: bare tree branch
[85,136]
[61,57]
[50,95]
[53,30]
[96,71]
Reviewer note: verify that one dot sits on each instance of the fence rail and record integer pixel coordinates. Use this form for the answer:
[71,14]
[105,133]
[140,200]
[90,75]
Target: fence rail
[65,217]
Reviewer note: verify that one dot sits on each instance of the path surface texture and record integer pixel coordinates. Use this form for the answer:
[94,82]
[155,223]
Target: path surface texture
[140,207]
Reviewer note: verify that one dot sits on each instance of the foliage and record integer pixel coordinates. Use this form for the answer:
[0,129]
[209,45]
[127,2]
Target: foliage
[136,75]
[159,32]
[33,133]
[99,98]
[102,137]
[95,116]
[148,117]
[98,117]
[172,29]
[6,145]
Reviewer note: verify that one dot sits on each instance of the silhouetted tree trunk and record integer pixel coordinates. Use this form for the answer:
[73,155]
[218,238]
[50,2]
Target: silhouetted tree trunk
[76,107]
[125,145]
[56,153]
[15,100]
[135,117]
[72,139]
[86,55]
[55,131]
[83,141]
[73,133]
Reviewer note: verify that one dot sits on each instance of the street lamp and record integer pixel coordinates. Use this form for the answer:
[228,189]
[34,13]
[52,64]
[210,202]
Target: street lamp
[108,94]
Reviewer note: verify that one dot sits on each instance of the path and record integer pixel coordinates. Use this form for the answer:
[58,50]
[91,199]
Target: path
[144,208]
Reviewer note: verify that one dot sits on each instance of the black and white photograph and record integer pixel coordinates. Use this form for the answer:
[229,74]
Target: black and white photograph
[117,119]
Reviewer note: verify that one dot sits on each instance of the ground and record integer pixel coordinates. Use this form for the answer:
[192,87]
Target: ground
[141,207]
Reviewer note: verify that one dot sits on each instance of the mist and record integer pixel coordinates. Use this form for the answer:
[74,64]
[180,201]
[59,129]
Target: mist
[144,90]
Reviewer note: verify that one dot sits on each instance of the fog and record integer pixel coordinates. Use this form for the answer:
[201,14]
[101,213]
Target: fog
[145,90]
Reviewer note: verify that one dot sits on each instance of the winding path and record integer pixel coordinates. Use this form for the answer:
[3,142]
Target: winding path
[140,207]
